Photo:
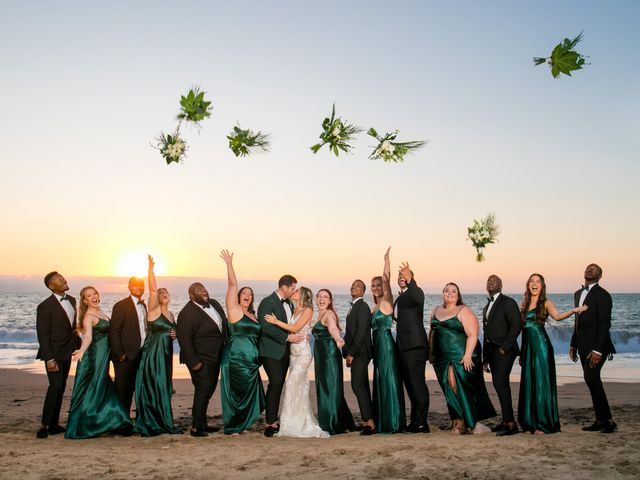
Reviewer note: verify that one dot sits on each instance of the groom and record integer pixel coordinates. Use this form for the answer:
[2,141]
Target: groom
[273,346]
[592,342]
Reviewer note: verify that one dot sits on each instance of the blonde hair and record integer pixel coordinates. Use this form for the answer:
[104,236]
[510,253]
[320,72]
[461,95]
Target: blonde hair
[82,309]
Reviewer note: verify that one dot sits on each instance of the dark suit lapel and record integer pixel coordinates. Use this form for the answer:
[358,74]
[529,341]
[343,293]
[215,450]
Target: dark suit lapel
[61,309]
[496,304]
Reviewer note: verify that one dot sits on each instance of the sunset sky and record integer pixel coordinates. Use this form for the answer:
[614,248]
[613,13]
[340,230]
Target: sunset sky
[87,86]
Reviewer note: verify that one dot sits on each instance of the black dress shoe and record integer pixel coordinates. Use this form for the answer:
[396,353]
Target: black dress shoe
[209,429]
[199,433]
[418,429]
[42,433]
[367,430]
[609,427]
[508,431]
[55,429]
[269,431]
[499,428]
[595,427]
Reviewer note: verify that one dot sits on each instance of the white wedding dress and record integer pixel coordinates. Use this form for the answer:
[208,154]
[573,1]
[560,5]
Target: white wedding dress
[296,417]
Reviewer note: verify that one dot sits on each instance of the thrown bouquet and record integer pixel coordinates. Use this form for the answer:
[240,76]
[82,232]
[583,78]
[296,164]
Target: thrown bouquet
[337,133]
[389,150]
[482,233]
[245,142]
[172,147]
[563,58]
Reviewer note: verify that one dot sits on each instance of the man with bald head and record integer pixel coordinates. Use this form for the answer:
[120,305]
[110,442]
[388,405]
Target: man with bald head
[501,322]
[591,341]
[202,332]
[126,337]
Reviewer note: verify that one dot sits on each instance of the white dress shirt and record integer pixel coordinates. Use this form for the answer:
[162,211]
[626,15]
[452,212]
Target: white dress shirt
[212,313]
[142,317]
[287,308]
[68,308]
[495,297]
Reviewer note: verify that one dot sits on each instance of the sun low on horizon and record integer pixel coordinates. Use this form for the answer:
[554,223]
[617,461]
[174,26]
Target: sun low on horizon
[135,264]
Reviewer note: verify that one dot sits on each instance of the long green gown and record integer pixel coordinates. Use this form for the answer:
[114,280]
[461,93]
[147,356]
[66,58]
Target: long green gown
[241,391]
[95,407]
[334,415]
[472,402]
[538,400]
[153,381]
[388,394]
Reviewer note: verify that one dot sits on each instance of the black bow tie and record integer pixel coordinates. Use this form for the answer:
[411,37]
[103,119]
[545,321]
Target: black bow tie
[206,305]
[283,300]
[141,302]
[65,298]
[490,298]
[586,287]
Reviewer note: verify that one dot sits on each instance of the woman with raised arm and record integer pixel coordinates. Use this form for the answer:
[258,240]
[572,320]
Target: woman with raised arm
[456,357]
[241,390]
[333,412]
[153,381]
[538,399]
[296,417]
[95,406]
[388,394]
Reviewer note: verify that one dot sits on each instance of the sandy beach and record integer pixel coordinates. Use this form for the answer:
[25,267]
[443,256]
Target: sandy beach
[568,454]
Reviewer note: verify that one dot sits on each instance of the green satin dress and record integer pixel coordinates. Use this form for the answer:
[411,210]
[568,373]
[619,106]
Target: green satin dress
[153,381]
[334,415]
[388,394]
[241,391]
[95,407]
[538,400]
[472,402]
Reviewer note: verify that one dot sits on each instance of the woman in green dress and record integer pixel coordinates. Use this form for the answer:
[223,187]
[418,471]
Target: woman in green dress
[153,380]
[538,399]
[456,357]
[241,390]
[95,407]
[388,393]
[334,415]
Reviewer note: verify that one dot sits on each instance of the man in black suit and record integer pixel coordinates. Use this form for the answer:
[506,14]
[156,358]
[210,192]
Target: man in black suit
[357,352]
[56,328]
[126,337]
[274,346]
[413,347]
[202,333]
[591,341]
[501,323]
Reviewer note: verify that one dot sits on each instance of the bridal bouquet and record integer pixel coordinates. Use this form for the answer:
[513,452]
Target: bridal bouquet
[245,142]
[193,107]
[172,147]
[482,233]
[337,133]
[563,58]
[389,150]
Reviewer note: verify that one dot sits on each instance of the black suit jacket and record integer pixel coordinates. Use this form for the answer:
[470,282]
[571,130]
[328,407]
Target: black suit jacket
[591,330]
[409,324]
[124,334]
[56,334]
[199,337]
[502,326]
[357,339]
[273,339]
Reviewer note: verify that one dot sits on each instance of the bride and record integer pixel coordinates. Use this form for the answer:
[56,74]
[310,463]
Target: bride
[296,417]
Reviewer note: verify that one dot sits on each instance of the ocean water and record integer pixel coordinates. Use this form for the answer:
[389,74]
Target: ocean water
[19,342]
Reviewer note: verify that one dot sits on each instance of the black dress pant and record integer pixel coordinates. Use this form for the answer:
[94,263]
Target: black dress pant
[276,371]
[53,398]
[501,366]
[413,363]
[360,385]
[125,381]
[598,395]
[204,382]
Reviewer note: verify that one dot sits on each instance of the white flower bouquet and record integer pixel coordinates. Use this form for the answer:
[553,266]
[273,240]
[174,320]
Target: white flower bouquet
[482,233]
[389,150]
[172,147]
[337,133]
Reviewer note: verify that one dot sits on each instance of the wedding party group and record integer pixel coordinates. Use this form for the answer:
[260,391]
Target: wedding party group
[232,345]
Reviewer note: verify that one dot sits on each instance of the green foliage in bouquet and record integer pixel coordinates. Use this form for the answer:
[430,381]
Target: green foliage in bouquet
[390,150]
[482,233]
[172,147]
[193,106]
[337,133]
[563,58]
[246,142]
